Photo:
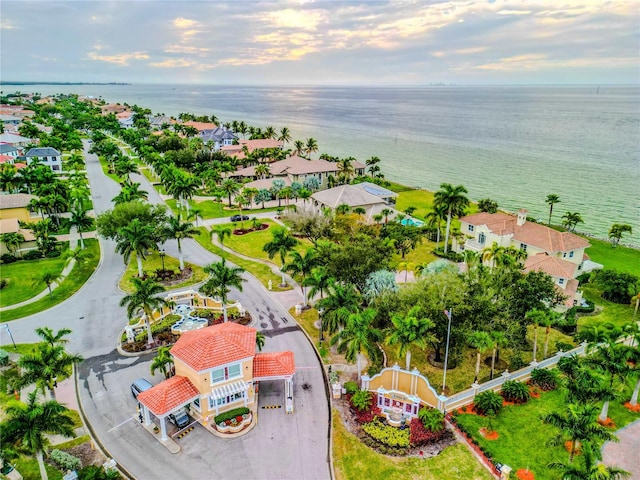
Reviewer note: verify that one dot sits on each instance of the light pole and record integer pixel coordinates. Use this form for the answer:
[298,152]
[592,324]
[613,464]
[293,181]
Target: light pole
[320,314]
[162,254]
[446,354]
[6,325]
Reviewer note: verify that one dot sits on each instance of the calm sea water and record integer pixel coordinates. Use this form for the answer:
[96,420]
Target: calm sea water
[514,144]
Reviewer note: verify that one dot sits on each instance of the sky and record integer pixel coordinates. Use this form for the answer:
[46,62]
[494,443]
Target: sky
[308,42]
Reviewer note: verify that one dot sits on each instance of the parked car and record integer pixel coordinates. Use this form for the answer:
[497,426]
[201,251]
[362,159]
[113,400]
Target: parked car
[139,386]
[180,418]
[238,218]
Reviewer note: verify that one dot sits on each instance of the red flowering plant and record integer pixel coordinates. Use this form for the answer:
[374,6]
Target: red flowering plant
[419,435]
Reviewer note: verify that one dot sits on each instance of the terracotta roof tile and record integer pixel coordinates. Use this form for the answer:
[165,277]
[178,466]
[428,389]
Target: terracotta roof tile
[200,126]
[556,267]
[216,345]
[273,364]
[169,395]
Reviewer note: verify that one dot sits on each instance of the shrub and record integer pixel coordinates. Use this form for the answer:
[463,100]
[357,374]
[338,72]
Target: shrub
[590,308]
[516,363]
[387,435]
[158,327]
[3,283]
[488,403]
[4,358]
[65,460]
[516,392]
[8,258]
[367,416]
[351,387]
[236,412]
[545,379]
[419,435]
[53,254]
[432,419]
[563,346]
[362,400]
[32,255]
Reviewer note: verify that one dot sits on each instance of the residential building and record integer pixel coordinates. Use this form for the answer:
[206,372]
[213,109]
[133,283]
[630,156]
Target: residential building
[237,150]
[9,150]
[16,205]
[356,196]
[125,119]
[17,141]
[11,225]
[219,137]
[47,155]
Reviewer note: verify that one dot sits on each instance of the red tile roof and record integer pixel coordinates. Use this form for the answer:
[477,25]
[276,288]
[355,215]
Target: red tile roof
[169,395]
[216,345]
[556,267]
[531,233]
[273,364]
[570,291]
[200,126]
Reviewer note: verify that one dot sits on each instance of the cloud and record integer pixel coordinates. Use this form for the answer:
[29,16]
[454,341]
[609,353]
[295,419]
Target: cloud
[173,63]
[6,25]
[185,23]
[470,50]
[514,12]
[118,59]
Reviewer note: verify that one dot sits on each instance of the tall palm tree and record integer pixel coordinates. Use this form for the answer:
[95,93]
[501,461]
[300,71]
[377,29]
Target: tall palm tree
[302,265]
[183,188]
[535,317]
[311,146]
[345,169]
[230,187]
[552,199]
[359,336]
[408,331]
[342,300]
[319,281]
[270,132]
[455,202]
[588,467]
[221,232]
[221,278]
[285,135]
[282,242]
[570,220]
[493,254]
[263,170]
[616,232]
[499,339]
[81,221]
[136,238]
[28,424]
[298,147]
[47,277]
[178,230]
[482,342]
[163,361]
[129,193]
[578,425]
[144,301]
[434,219]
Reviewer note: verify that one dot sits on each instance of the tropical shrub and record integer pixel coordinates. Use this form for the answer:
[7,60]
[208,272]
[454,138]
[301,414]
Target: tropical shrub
[65,460]
[53,254]
[362,400]
[160,326]
[563,346]
[516,392]
[4,358]
[387,435]
[432,419]
[32,255]
[351,387]
[8,258]
[236,412]
[616,287]
[419,435]
[545,379]
[517,363]
[488,403]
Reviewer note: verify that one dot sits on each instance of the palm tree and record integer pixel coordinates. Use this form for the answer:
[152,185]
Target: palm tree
[482,342]
[359,336]
[552,199]
[311,146]
[129,193]
[434,219]
[341,301]
[578,426]
[570,220]
[179,230]
[616,231]
[47,277]
[136,238]
[144,301]
[535,317]
[260,338]
[499,339]
[345,167]
[410,331]
[493,254]
[230,187]
[81,221]
[221,278]
[319,281]
[221,232]
[163,361]
[263,170]
[281,243]
[588,468]
[183,188]
[453,199]
[298,147]
[27,425]
[548,321]
[285,135]
[12,240]
[302,265]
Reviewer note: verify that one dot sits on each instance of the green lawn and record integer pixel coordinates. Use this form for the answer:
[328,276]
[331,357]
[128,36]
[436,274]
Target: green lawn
[22,274]
[262,272]
[523,437]
[28,468]
[422,254]
[105,169]
[153,263]
[71,284]
[213,209]
[354,461]
[623,259]
[616,313]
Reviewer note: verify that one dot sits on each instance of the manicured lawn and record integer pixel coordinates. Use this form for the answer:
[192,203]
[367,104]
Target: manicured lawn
[105,169]
[28,468]
[71,284]
[354,461]
[260,271]
[523,437]
[153,263]
[615,313]
[421,199]
[213,209]
[623,259]
[422,254]
[22,275]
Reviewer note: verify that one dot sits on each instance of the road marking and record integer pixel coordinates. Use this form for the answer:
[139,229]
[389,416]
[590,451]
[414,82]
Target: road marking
[120,424]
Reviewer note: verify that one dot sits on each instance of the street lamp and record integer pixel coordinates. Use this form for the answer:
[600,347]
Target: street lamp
[321,313]
[446,354]
[6,326]
[162,254]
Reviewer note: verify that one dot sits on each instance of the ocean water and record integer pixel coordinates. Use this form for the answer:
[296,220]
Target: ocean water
[514,144]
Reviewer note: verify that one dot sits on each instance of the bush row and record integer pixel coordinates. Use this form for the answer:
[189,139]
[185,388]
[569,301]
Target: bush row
[236,412]
[162,325]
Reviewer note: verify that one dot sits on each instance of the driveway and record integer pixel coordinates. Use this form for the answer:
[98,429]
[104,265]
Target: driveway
[280,446]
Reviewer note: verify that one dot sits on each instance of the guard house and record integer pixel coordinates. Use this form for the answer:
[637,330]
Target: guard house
[400,393]
[217,369]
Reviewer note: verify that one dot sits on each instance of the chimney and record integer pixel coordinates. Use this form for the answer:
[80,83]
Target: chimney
[522,217]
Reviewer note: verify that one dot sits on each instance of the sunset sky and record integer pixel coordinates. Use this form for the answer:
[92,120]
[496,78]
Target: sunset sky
[321,42]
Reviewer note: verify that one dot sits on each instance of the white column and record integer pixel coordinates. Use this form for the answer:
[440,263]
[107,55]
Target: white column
[163,427]
[147,417]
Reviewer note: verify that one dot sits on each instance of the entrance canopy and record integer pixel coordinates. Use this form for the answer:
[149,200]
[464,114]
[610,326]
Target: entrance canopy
[169,395]
[273,365]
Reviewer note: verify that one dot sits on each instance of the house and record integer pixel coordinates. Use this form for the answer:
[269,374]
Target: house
[9,150]
[125,119]
[11,225]
[160,121]
[559,254]
[355,196]
[17,141]
[47,155]
[9,120]
[114,108]
[219,137]
[217,369]
[201,126]
[16,205]
[298,169]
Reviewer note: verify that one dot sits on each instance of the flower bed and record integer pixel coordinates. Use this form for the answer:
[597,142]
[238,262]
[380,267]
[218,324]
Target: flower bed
[234,424]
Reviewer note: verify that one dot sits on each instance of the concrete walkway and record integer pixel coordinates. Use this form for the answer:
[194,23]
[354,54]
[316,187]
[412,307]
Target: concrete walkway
[625,454]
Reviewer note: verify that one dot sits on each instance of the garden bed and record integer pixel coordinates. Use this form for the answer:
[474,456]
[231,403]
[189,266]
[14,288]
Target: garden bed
[244,231]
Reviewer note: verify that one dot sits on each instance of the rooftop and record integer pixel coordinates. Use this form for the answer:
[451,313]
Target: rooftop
[15,200]
[273,364]
[169,395]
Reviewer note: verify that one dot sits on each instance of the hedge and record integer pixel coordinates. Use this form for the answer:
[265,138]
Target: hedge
[65,460]
[236,412]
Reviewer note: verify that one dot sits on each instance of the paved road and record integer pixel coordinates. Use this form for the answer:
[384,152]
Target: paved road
[280,447]
[625,454]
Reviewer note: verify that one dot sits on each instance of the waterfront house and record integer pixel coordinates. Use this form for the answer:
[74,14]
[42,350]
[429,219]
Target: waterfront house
[237,150]
[47,155]
[125,119]
[217,369]
[159,122]
[218,137]
[357,196]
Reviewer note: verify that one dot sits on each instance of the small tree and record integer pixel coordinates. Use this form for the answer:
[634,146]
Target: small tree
[488,403]
[362,400]
[616,232]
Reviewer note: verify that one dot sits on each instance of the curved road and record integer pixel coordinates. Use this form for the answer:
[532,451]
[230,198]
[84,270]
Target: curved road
[280,447]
